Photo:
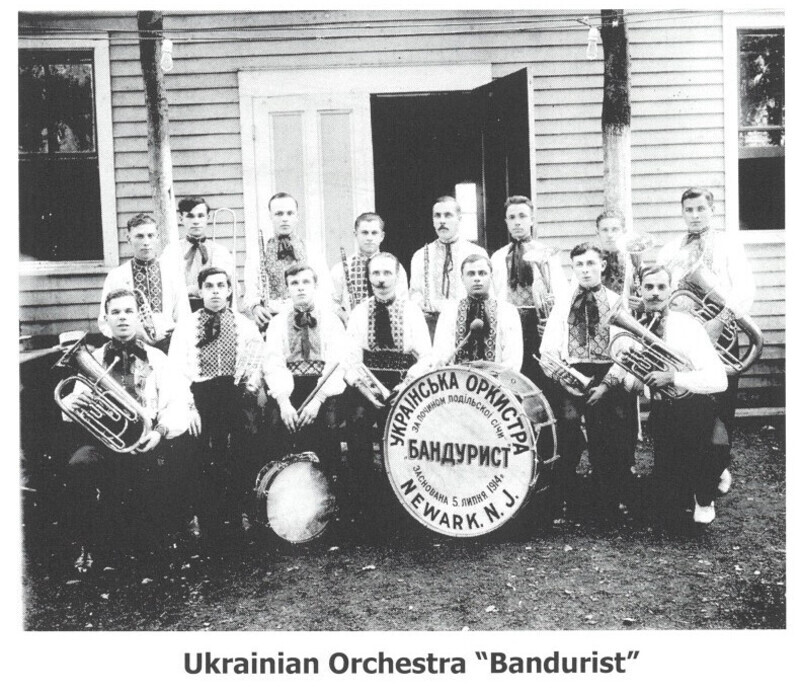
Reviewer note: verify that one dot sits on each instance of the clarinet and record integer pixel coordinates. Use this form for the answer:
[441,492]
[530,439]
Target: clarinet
[263,279]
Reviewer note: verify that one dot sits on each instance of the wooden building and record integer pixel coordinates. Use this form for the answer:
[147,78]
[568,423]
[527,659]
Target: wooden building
[360,110]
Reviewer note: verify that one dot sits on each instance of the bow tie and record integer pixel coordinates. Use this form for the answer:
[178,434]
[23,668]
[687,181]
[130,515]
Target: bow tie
[197,243]
[304,318]
[519,271]
[130,348]
[696,236]
[286,248]
[213,325]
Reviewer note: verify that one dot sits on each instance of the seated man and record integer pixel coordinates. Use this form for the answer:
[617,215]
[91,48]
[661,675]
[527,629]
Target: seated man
[158,286]
[350,278]
[304,341]
[218,352]
[685,470]
[497,338]
[391,339]
[95,471]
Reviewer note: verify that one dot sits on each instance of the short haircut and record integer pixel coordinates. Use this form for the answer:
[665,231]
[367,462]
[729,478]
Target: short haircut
[518,200]
[139,220]
[697,193]
[368,217]
[447,199]
[384,254]
[280,195]
[610,214]
[652,269]
[212,270]
[116,294]
[474,258]
[189,204]
[296,268]
[585,247]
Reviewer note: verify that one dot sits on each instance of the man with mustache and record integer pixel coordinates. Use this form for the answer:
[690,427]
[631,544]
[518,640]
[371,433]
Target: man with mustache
[435,267]
[684,470]
[498,338]
[350,278]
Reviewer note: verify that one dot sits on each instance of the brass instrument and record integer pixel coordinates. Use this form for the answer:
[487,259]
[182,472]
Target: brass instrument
[570,379]
[541,259]
[347,291]
[708,303]
[214,216]
[262,268]
[146,316]
[636,246]
[654,355]
[361,378]
[248,363]
[114,417]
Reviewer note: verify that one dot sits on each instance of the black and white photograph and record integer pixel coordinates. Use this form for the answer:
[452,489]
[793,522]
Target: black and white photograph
[352,329]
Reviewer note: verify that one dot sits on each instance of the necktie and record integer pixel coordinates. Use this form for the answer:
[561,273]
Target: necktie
[303,320]
[585,304]
[520,271]
[213,325]
[447,268]
[196,243]
[383,325]
[286,248]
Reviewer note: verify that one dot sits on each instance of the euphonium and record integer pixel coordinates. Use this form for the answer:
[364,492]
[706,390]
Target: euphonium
[361,378]
[114,417]
[654,356]
[570,379]
[708,303]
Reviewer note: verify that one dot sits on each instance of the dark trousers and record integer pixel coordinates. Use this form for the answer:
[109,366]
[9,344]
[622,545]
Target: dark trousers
[220,466]
[683,466]
[611,433]
[531,341]
[726,411]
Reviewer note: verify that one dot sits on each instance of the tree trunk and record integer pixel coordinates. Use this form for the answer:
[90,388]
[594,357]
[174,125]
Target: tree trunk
[155,98]
[616,119]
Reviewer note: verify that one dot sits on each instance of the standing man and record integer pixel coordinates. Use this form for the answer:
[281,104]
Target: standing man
[157,286]
[527,274]
[196,251]
[722,253]
[95,472]
[578,335]
[304,339]
[499,337]
[218,352]
[390,337]
[435,267]
[621,266]
[681,428]
[266,292]
[350,279]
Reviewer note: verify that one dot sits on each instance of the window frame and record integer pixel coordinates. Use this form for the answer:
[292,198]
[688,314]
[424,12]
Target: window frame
[732,23]
[99,45]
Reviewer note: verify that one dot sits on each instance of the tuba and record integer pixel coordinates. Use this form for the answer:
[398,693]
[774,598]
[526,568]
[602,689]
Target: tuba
[708,303]
[114,417]
[655,355]
[361,378]
[570,379]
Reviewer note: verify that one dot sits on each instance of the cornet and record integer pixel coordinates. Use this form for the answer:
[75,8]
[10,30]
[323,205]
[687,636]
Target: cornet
[570,379]
[708,303]
[361,378]
[114,417]
[653,356]
[146,316]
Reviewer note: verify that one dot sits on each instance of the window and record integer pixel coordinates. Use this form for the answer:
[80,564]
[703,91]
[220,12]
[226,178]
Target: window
[67,215]
[761,128]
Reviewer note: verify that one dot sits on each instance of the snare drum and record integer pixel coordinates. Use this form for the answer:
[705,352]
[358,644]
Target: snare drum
[466,446]
[294,498]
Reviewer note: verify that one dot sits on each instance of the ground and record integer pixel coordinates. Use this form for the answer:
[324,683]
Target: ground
[568,576]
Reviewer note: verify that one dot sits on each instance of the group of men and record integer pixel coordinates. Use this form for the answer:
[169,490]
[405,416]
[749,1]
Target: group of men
[248,387]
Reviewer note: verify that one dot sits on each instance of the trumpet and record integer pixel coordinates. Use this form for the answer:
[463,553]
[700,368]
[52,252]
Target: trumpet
[654,355]
[708,303]
[570,379]
[361,378]
[146,316]
[541,259]
[114,417]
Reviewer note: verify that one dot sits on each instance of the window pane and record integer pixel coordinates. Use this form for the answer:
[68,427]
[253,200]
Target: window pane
[761,88]
[56,103]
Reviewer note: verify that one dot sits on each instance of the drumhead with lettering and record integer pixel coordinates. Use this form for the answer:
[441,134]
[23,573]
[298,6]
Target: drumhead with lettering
[459,451]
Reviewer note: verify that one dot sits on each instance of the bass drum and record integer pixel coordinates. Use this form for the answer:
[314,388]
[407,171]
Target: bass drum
[465,447]
[294,498]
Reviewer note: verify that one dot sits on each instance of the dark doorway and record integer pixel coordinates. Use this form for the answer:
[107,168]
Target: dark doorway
[423,145]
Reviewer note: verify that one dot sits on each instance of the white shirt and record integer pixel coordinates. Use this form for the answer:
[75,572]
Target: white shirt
[558,282]
[729,265]
[334,347]
[184,355]
[174,301]
[687,337]
[460,250]
[165,398]
[416,338]
[508,349]
[218,257]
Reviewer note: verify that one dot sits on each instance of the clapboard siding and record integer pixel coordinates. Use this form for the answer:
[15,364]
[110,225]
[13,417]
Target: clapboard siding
[677,129]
